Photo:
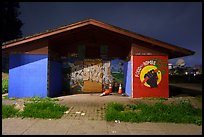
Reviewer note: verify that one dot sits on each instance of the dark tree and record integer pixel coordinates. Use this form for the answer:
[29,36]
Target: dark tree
[10,23]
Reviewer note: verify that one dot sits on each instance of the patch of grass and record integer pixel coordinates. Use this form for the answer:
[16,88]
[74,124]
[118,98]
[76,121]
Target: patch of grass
[39,99]
[5,97]
[36,108]
[4,85]
[199,98]
[9,111]
[43,109]
[182,112]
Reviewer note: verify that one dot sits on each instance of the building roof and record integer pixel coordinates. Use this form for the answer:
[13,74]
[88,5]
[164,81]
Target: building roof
[133,35]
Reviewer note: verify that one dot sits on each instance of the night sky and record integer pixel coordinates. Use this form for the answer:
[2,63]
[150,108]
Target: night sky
[177,23]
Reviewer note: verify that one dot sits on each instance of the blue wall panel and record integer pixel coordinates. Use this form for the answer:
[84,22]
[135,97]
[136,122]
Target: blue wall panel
[55,79]
[125,73]
[128,85]
[27,75]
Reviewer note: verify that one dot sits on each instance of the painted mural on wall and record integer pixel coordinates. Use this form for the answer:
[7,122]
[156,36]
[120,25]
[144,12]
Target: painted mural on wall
[92,76]
[117,72]
[150,76]
[107,77]
[73,75]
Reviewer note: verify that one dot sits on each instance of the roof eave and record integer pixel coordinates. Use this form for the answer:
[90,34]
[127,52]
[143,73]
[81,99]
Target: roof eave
[106,26]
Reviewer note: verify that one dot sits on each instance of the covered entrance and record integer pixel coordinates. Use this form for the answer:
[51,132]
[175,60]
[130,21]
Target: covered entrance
[82,76]
[93,75]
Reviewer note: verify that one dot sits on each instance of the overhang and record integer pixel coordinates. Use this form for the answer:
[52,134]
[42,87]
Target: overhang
[173,50]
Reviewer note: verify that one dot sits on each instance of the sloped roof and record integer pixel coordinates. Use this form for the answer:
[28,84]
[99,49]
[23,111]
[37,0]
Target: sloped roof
[172,48]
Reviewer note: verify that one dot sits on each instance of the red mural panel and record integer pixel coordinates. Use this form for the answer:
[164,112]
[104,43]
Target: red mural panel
[150,76]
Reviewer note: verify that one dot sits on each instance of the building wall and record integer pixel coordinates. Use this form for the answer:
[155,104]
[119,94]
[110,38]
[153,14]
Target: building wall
[27,75]
[156,69]
[144,49]
[55,79]
[128,78]
[35,47]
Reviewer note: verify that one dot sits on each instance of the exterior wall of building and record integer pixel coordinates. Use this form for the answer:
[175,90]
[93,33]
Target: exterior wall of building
[128,78]
[27,75]
[55,79]
[144,49]
[35,47]
[150,76]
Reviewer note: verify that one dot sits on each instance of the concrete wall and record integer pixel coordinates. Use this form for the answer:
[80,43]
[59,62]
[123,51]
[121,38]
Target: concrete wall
[27,75]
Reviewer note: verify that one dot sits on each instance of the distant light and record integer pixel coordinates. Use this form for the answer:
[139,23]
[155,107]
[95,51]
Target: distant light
[186,73]
[194,74]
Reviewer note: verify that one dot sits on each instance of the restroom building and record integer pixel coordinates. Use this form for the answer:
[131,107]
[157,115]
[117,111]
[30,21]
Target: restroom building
[86,57]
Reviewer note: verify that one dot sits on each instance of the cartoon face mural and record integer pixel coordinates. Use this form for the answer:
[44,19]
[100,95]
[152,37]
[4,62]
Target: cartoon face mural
[150,76]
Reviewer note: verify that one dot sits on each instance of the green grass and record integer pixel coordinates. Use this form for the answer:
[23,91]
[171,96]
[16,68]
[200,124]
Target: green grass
[141,112]
[45,108]
[39,99]
[4,85]
[199,98]
[9,111]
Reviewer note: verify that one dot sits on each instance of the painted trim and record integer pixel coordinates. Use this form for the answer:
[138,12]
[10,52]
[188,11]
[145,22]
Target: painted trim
[132,74]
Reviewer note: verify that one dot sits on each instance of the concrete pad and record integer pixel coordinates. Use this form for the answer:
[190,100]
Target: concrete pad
[49,127]
[117,128]
[180,129]
[16,126]
[144,128]
[87,127]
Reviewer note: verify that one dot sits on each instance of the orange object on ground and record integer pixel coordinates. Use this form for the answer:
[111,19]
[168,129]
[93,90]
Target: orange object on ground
[106,92]
[120,90]
[110,87]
